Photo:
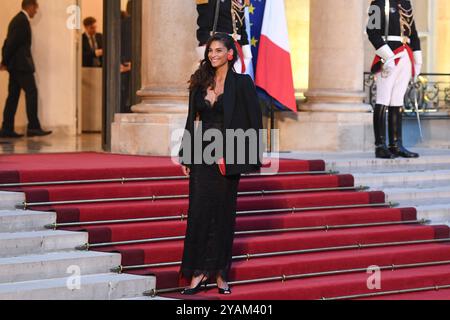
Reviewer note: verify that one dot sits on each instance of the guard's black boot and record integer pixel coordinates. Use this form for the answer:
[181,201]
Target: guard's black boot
[396,134]
[379,125]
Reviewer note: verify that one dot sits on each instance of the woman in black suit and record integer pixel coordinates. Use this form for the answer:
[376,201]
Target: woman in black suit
[223,101]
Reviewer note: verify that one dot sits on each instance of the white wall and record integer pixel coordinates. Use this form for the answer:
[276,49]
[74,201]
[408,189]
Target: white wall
[55,56]
[93,8]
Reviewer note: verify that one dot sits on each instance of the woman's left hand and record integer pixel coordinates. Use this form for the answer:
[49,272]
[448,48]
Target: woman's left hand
[186,171]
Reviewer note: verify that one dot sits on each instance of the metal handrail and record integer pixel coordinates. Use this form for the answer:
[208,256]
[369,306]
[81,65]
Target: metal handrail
[432,97]
[285,278]
[183,217]
[127,180]
[88,246]
[25,205]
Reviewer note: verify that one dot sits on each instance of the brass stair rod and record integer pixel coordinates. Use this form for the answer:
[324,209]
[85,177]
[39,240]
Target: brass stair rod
[386,293]
[124,180]
[240,233]
[183,217]
[26,205]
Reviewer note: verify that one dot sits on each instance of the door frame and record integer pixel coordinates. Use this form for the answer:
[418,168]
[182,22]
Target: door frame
[111,61]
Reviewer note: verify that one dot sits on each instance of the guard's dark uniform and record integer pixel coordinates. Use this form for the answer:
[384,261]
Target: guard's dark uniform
[398,58]
[231,20]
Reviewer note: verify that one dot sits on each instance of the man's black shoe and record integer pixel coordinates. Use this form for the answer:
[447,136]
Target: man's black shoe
[38,133]
[10,134]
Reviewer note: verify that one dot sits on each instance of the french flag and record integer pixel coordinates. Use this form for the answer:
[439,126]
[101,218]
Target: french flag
[274,67]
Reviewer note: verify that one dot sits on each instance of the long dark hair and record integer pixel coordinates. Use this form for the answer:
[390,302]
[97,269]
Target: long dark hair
[204,76]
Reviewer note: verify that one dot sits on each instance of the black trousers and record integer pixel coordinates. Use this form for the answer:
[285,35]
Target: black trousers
[17,82]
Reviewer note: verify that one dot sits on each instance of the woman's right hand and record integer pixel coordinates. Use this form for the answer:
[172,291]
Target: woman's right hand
[186,171]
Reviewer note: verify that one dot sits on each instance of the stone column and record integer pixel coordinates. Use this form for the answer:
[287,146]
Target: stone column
[334,117]
[336,56]
[168,60]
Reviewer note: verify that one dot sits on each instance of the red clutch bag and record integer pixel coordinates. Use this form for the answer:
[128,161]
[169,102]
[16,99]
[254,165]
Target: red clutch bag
[223,170]
[222,166]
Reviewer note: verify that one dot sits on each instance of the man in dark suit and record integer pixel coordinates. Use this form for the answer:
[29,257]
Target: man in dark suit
[92,44]
[18,61]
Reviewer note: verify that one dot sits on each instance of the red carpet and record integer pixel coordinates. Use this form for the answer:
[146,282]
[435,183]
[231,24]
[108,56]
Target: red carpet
[84,166]
[386,225]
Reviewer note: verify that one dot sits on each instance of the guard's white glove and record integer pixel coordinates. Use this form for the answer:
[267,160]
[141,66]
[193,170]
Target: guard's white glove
[201,53]
[388,58]
[248,56]
[418,62]
[247,51]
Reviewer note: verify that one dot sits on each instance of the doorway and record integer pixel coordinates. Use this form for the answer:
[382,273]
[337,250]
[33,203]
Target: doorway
[109,74]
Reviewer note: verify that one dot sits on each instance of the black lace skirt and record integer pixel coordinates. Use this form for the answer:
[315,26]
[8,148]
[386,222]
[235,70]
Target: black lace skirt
[211,223]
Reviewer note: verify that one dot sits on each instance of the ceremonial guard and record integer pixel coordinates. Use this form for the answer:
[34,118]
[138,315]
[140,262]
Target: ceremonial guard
[227,16]
[392,31]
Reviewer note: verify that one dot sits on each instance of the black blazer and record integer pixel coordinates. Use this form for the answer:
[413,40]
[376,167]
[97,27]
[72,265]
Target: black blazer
[241,111]
[16,52]
[88,53]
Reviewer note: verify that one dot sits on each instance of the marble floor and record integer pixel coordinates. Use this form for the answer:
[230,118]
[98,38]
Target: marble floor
[92,142]
[52,144]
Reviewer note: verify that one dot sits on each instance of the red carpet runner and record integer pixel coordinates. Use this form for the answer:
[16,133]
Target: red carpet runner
[338,243]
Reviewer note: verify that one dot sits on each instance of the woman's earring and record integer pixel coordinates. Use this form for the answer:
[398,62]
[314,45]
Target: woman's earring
[230,57]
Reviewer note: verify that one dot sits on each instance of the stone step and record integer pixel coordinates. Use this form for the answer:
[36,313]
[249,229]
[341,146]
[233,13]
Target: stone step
[22,243]
[22,221]
[9,200]
[56,265]
[437,214]
[418,196]
[107,286]
[389,166]
[418,179]
[362,162]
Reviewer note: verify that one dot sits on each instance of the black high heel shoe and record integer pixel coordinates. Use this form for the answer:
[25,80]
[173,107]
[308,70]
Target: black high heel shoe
[197,289]
[225,291]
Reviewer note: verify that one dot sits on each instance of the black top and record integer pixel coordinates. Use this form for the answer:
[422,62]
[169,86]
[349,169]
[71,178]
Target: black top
[210,114]
[16,52]
[206,15]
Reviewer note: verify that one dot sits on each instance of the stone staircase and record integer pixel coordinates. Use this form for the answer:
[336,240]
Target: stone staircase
[423,183]
[40,264]
[36,263]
